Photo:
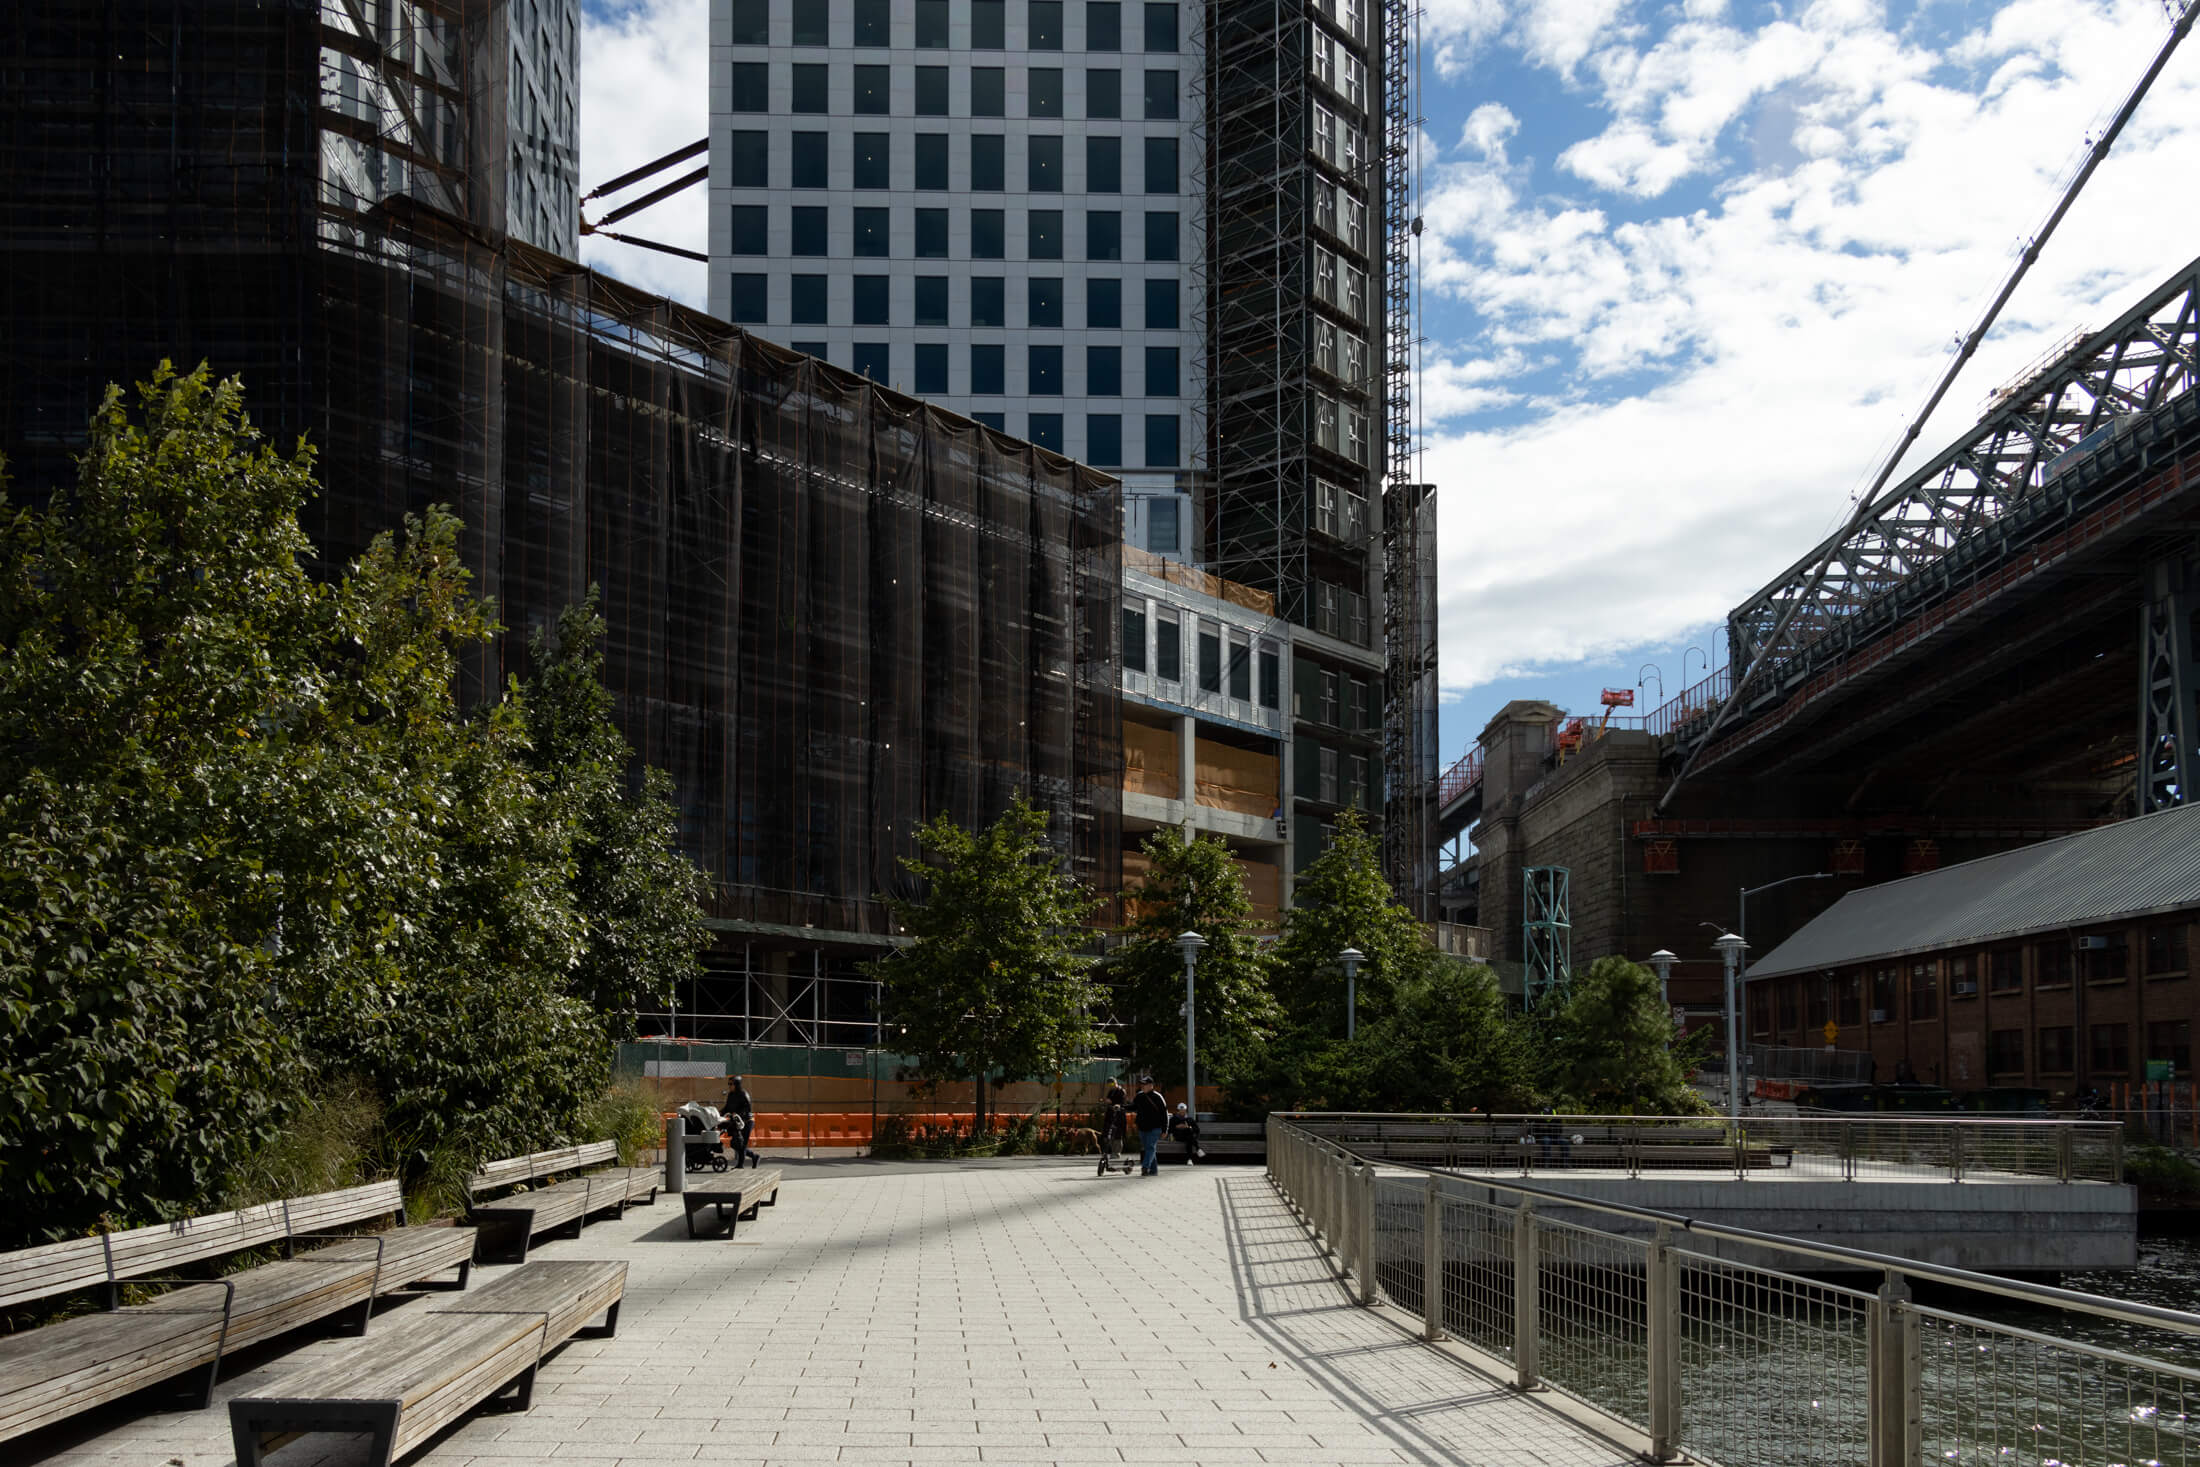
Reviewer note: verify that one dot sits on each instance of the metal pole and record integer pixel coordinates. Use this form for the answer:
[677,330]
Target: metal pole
[1364,1225]
[1527,1287]
[1432,1263]
[1351,1005]
[1191,1036]
[1662,1310]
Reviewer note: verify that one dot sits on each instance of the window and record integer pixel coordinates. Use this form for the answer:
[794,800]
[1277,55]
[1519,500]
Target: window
[1357,440]
[988,370]
[1325,135]
[1160,27]
[751,23]
[1355,18]
[1045,430]
[998,422]
[1161,234]
[1161,165]
[807,296]
[931,161]
[931,304]
[1790,1005]
[1331,707]
[1882,995]
[2005,1053]
[1925,990]
[2106,956]
[1355,81]
[1355,292]
[1043,96]
[1044,303]
[1210,658]
[1271,677]
[1168,648]
[987,301]
[748,160]
[1103,305]
[2171,1040]
[2005,970]
[810,232]
[1960,982]
[748,297]
[1328,423]
[749,86]
[1330,790]
[1103,234]
[1161,373]
[812,88]
[873,300]
[988,25]
[1044,171]
[874,22]
[751,230]
[2166,949]
[1103,165]
[931,234]
[1161,96]
[874,95]
[1134,637]
[988,234]
[988,91]
[1164,526]
[2051,962]
[1044,22]
[874,160]
[812,25]
[1161,305]
[1162,436]
[1104,27]
[1848,995]
[931,25]
[1241,670]
[873,234]
[1044,364]
[931,373]
[1325,346]
[1355,232]
[1103,371]
[2108,1051]
[988,163]
[1103,94]
[1104,439]
[810,160]
[931,99]
[1045,234]
[1321,55]
[2057,1049]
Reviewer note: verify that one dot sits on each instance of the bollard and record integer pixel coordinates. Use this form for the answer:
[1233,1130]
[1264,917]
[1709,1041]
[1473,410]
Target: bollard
[1662,1312]
[1527,1296]
[676,1171]
[1432,1263]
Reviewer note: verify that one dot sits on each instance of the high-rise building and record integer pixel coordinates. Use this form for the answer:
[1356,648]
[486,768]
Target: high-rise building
[1166,239]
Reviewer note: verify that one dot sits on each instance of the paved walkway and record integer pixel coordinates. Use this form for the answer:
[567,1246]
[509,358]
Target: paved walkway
[1019,1312]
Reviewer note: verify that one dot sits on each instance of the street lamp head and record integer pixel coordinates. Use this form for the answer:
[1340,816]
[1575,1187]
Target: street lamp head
[1351,957]
[1731,945]
[1663,960]
[1191,944]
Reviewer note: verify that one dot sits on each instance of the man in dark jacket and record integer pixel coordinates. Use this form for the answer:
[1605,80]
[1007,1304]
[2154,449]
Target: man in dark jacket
[1151,1112]
[738,1119]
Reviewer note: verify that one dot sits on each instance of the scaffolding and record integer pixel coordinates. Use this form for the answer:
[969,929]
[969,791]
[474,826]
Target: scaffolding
[834,612]
[1410,837]
[1546,935]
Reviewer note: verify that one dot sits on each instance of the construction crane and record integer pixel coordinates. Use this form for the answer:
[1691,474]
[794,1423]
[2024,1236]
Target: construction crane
[655,196]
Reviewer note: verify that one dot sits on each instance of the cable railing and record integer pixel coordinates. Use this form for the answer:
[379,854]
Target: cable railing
[1687,1352]
[1851,1148]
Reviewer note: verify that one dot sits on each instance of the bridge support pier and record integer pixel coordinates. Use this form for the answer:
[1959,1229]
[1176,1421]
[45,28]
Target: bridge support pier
[2169,682]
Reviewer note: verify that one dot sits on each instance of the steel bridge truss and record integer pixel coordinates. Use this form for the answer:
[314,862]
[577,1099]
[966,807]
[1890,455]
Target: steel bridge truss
[2042,443]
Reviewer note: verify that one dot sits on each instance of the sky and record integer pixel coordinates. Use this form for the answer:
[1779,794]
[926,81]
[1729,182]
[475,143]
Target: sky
[1686,272]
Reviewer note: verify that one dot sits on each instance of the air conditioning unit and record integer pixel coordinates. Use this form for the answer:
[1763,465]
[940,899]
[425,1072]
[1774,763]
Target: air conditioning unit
[2090,944]
[1879,1016]
[1968,985]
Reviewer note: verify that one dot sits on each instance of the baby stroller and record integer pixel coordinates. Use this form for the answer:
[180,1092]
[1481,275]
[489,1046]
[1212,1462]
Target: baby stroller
[1114,1155]
[699,1121]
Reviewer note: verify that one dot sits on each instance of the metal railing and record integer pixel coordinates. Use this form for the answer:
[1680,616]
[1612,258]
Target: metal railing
[1794,1062]
[1732,1363]
[1852,1148]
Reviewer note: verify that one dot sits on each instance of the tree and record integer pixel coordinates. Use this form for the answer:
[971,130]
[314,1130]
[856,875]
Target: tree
[992,983]
[1610,1049]
[1191,886]
[640,899]
[1447,1044]
[1343,901]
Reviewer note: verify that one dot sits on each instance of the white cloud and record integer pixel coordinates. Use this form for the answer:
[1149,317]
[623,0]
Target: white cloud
[1704,390]
[645,91]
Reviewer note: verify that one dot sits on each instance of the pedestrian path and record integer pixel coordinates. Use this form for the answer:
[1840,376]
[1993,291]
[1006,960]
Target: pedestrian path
[1019,1312]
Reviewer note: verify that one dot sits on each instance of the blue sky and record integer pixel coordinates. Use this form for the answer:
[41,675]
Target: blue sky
[1686,271]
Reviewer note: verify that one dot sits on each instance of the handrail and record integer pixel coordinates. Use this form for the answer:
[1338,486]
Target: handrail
[2176,1319]
[1876,1118]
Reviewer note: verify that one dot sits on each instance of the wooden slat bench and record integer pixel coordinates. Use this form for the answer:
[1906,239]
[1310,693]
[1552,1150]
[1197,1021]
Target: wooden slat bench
[1233,1138]
[415,1379]
[508,1224]
[735,1195]
[56,1371]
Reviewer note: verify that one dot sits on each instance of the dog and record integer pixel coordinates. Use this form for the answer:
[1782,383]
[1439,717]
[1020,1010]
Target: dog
[1081,1141]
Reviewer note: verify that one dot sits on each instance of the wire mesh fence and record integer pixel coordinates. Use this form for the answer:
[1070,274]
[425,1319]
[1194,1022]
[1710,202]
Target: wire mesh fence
[1773,1369]
[1592,1320]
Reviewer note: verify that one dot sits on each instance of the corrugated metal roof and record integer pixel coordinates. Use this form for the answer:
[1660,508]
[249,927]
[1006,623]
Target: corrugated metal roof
[2129,869]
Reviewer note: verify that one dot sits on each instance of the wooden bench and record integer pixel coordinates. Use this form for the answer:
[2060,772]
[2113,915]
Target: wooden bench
[508,1224]
[415,1379]
[1233,1138]
[736,1195]
[70,1366]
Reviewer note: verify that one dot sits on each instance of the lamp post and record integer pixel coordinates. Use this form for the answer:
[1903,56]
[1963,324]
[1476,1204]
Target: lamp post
[1191,944]
[1750,891]
[1351,957]
[1731,949]
[1663,961]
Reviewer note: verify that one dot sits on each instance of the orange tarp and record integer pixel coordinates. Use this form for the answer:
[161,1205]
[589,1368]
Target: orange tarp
[1237,779]
[1150,761]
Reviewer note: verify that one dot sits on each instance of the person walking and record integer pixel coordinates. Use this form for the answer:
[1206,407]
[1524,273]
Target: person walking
[738,1118]
[1151,1111]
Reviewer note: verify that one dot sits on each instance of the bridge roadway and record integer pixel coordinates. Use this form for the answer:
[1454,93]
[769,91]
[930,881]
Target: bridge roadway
[962,1312]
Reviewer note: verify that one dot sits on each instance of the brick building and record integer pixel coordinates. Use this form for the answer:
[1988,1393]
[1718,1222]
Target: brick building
[2055,966]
